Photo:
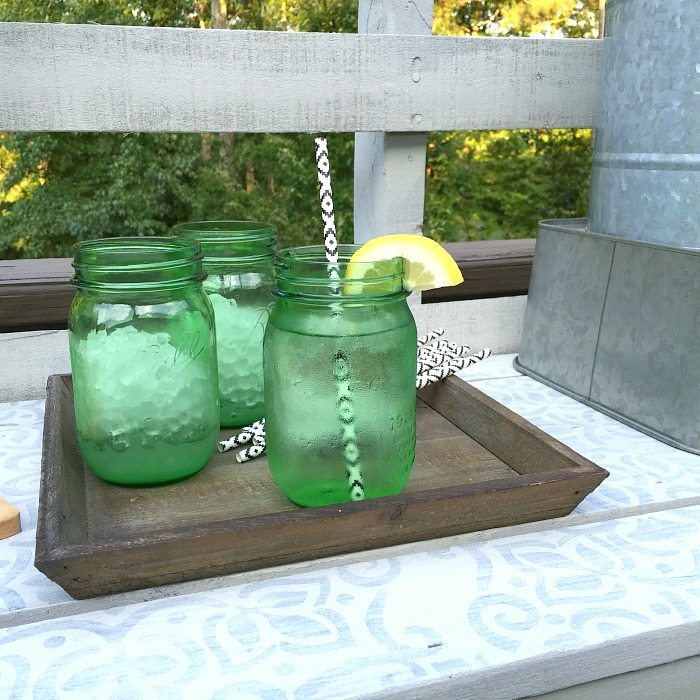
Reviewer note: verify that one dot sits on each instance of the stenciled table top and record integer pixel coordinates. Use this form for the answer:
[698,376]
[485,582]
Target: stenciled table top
[496,614]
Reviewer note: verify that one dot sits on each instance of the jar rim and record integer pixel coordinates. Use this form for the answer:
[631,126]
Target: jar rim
[157,250]
[217,230]
[304,272]
[143,261]
[229,242]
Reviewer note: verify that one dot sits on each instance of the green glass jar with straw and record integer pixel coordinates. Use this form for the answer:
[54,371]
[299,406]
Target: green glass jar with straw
[340,378]
[238,261]
[143,360]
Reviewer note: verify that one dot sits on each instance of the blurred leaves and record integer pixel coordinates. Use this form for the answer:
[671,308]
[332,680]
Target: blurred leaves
[56,189]
[484,185]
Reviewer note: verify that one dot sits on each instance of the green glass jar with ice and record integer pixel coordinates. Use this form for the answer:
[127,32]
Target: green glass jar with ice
[238,259]
[143,360]
[340,378]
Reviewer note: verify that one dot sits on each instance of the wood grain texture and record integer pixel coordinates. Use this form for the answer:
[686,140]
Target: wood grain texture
[390,167]
[59,77]
[36,294]
[490,269]
[525,448]
[679,680]
[389,184]
[9,519]
[569,668]
[27,360]
[94,539]
[480,323]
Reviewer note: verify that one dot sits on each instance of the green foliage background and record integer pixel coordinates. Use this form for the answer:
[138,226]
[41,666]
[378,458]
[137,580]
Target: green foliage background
[56,189]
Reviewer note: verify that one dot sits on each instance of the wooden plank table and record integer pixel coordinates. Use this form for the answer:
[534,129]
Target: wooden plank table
[562,607]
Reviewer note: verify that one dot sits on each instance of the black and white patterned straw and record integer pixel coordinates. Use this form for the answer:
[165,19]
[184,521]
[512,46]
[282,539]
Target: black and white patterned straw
[341,365]
[433,358]
[254,433]
[430,336]
[433,366]
[250,452]
[435,374]
[346,413]
[325,193]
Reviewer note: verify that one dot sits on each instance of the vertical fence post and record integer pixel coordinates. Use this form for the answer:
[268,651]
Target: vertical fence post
[390,167]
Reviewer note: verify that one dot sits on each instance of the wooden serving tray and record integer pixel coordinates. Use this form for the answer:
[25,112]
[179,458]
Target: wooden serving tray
[478,466]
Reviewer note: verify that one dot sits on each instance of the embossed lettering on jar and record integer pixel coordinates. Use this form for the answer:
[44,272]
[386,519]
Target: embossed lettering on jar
[143,359]
[238,262]
[340,372]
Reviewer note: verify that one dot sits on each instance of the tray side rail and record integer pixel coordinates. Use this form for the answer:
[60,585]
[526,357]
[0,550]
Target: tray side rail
[521,445]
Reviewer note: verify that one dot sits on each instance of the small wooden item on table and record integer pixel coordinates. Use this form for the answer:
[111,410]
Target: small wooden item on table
[9,519]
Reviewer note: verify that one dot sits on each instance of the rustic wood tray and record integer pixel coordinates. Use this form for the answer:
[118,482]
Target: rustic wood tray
[478,466]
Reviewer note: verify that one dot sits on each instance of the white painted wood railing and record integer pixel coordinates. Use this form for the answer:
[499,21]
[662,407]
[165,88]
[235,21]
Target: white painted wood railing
[58,77]
[390,84]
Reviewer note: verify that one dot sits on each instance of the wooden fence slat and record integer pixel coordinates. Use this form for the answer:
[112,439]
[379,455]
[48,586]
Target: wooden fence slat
[390,167]
[59,77]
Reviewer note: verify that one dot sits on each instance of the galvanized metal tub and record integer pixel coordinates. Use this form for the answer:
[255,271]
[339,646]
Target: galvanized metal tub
[615,323]
[646,167]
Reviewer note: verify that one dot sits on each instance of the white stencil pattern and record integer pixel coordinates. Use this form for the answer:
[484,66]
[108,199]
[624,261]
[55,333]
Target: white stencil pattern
[466,605]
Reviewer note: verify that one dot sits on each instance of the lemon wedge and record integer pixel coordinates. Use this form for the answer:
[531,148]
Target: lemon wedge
[427,265]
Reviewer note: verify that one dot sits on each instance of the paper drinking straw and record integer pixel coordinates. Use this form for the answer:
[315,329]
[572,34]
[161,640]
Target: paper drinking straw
[325,193]
[447,350]
[341,366]
[244,437]
[434,359]
[250,452]
[254,433]
[443,371]
[440,346]
[426,363]
[462,362]
[226,445]
[258,430]
[437,356]
[346,413]
[430,336]
[429,357]
[432,367]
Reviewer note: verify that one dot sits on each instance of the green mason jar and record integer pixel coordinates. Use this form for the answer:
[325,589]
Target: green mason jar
[238,259]
[340,375]
[143,360]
